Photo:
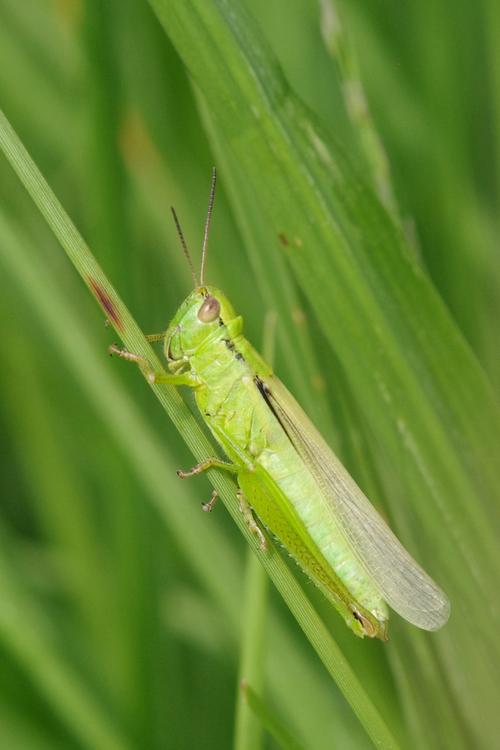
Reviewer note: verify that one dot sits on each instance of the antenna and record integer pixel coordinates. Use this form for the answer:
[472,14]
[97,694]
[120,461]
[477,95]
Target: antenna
[207,225]
[184,246]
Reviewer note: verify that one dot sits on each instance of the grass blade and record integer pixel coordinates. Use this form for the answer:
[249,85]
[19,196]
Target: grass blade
[133,339]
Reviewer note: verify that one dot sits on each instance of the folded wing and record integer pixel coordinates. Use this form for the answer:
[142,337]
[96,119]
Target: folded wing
[401,581]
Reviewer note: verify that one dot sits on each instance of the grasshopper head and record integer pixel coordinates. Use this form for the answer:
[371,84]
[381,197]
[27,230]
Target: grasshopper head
[198,319]
[204,313]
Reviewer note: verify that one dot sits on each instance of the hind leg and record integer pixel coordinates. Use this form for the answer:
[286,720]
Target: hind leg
[250,520]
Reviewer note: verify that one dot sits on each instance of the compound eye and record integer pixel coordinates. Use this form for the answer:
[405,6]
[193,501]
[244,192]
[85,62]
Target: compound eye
[209,310]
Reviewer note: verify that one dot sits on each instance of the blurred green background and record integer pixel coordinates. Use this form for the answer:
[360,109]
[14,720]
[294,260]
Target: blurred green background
[121,604]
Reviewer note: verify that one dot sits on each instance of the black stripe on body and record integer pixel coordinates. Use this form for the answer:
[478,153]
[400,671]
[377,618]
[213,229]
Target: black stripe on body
[230,345]
[264,392]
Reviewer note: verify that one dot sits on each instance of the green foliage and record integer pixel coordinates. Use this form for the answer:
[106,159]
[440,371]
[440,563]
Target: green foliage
[122,604]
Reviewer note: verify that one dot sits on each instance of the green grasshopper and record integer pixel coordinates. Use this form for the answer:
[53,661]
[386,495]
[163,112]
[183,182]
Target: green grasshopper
[289,480]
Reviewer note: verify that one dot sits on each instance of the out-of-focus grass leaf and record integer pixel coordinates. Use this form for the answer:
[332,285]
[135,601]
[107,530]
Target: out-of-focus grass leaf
[26,630]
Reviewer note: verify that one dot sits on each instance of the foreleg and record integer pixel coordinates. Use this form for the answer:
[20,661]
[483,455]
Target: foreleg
[158,378]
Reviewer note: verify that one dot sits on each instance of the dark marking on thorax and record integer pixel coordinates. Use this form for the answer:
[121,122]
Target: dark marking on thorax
[230,345]
[264,392]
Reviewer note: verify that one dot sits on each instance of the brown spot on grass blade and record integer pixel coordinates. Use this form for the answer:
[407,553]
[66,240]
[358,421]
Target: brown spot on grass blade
[106,303]
[283,239]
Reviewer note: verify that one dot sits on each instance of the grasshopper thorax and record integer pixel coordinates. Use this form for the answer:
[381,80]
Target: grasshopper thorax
[197,321]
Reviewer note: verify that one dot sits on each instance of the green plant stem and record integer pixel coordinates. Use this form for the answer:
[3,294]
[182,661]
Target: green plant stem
[248,730]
